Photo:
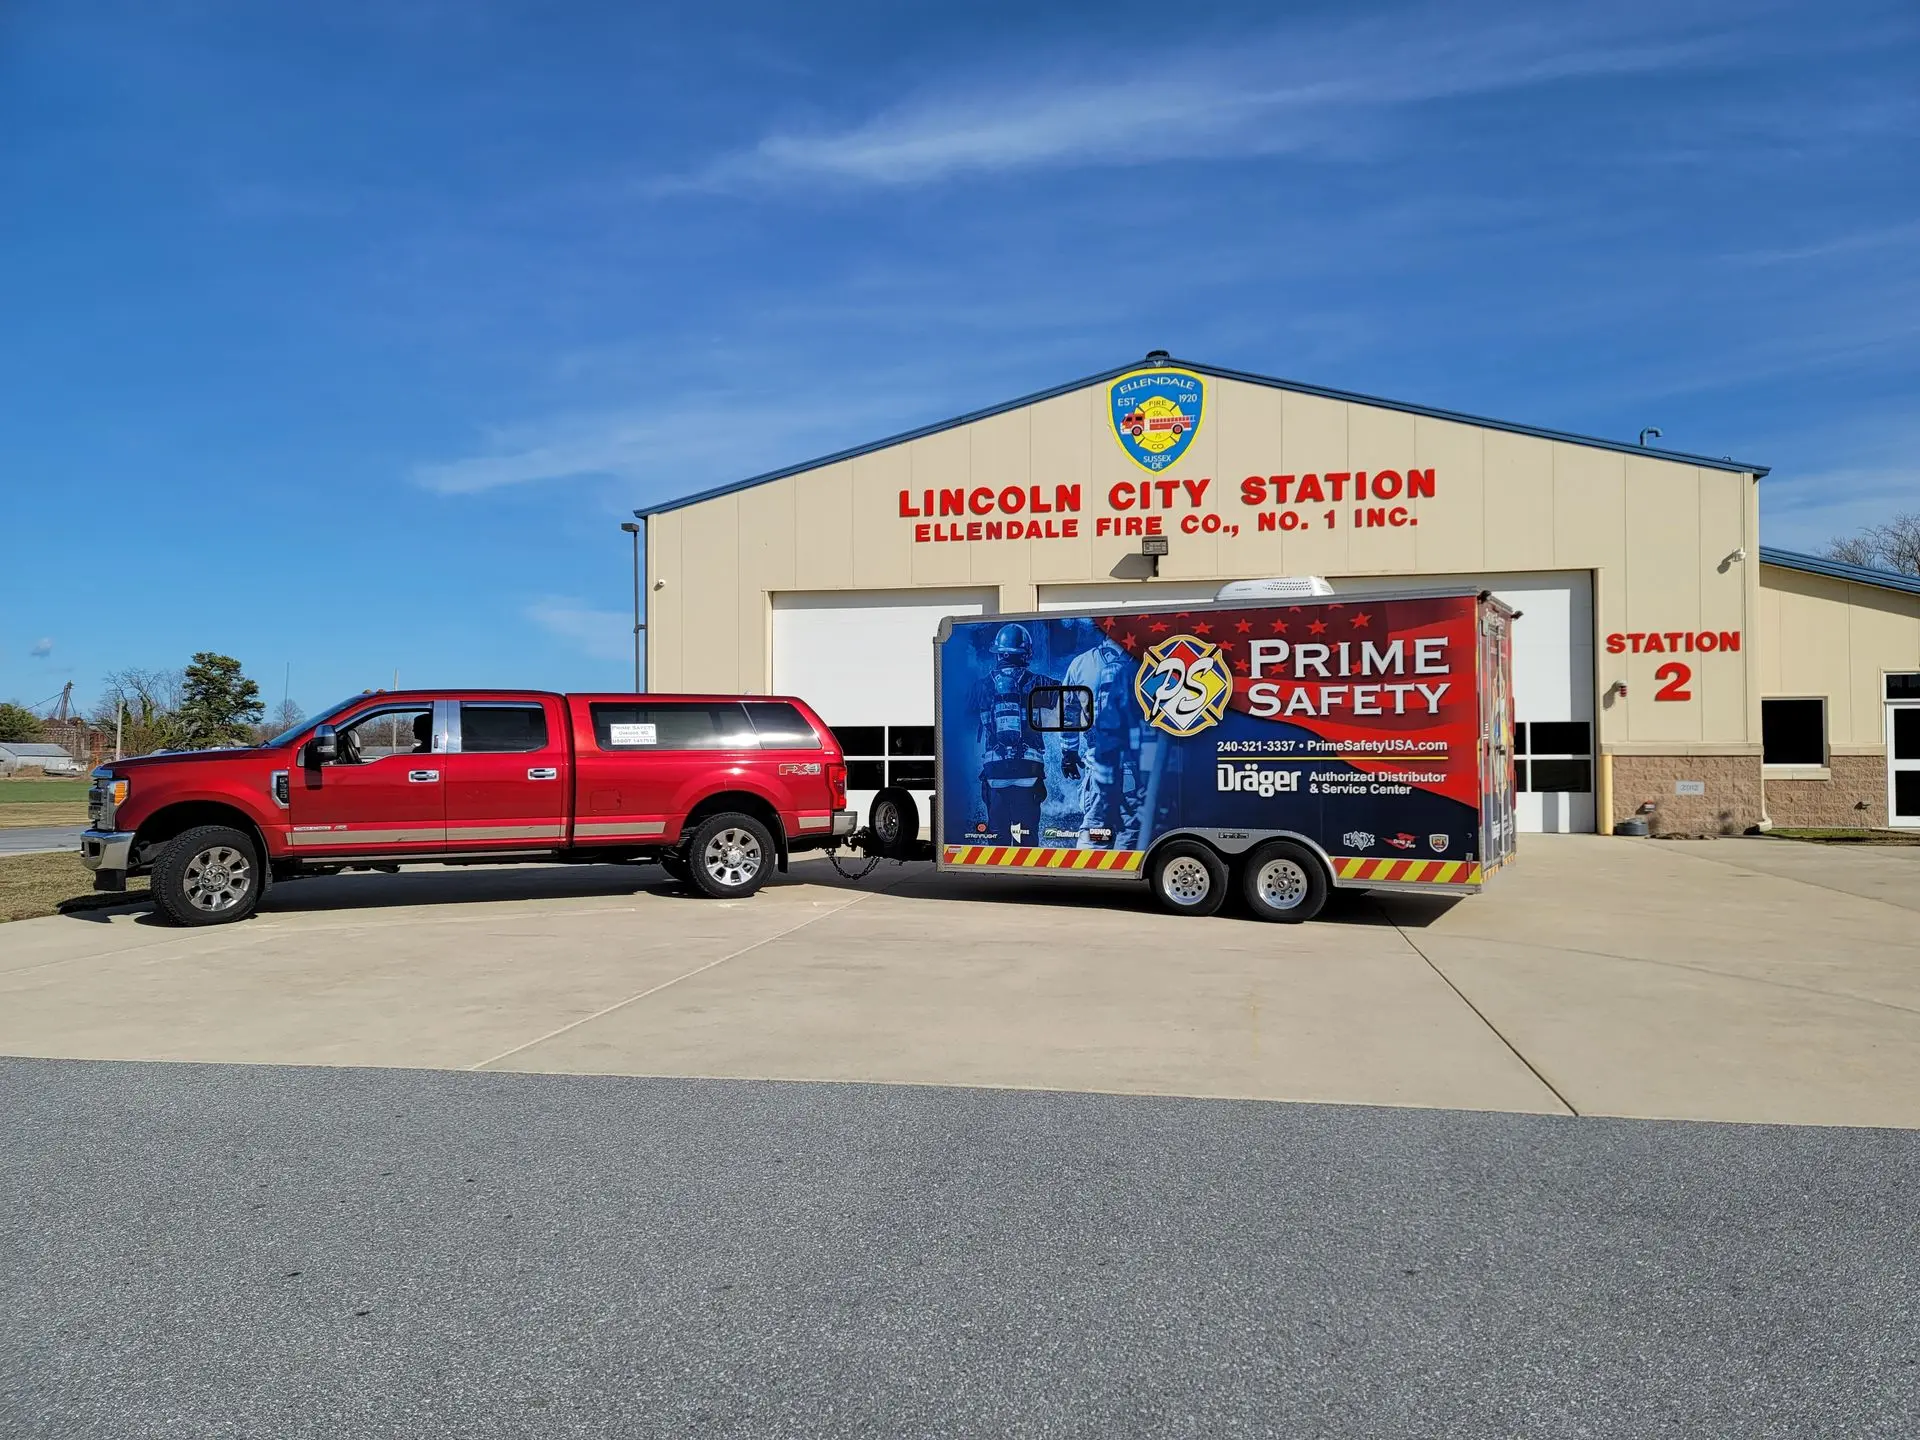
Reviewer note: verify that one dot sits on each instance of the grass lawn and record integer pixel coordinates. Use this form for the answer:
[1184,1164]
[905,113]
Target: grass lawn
[43,792]
[32,885]
[1842,837]
[42,802]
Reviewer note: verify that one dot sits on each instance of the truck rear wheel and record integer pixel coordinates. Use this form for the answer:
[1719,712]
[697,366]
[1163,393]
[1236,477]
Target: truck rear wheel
[1285,882]
[209,875]
[1188,878]
[729,856]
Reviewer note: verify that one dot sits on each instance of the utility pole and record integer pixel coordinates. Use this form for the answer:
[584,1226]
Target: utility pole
[119,723]
[634,530]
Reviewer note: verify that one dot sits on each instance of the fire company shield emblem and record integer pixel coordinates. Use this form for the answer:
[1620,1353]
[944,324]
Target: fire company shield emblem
[1183,685]
[1156,414]
[1438,843]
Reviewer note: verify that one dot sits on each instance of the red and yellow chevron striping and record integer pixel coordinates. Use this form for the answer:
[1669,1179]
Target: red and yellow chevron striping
[1036,857]
[1408,872]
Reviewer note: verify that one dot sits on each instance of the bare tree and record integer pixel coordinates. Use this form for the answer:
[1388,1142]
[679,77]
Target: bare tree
[1894,545]
[146,703]
[286,715]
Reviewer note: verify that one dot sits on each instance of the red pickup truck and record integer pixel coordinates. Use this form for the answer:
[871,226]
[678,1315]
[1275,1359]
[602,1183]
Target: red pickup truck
[717,789]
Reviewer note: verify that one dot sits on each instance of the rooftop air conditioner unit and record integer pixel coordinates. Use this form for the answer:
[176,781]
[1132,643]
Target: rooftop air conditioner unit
[1280,587]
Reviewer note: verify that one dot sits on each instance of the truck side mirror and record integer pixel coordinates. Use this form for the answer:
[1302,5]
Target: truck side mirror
[323,748]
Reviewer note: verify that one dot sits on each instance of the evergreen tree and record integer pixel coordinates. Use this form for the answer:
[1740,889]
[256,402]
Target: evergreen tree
[19,723]
[220,706]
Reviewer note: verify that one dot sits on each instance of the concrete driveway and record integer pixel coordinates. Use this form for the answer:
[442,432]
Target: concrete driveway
[1726,980]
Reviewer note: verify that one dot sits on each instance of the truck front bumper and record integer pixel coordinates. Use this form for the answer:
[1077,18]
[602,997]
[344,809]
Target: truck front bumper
[106,853]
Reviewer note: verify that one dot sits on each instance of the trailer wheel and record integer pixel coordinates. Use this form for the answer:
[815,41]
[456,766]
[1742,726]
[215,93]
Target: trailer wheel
[1284,882]
[894,818]
[1188,878]
[208,876]
[729,856]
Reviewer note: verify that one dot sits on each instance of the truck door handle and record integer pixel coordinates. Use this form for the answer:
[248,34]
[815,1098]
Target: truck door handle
[543,772]
[423,777]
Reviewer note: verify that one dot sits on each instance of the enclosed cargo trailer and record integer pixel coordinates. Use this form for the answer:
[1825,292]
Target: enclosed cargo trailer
[1283,747]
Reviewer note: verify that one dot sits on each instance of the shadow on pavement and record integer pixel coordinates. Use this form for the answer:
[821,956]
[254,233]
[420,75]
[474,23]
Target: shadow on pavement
[476,885]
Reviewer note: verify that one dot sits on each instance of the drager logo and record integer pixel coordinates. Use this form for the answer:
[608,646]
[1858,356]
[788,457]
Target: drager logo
[1156,414]
[1183,685]
[1252,779]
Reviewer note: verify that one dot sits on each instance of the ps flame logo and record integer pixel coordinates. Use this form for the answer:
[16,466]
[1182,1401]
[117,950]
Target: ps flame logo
[1183,685]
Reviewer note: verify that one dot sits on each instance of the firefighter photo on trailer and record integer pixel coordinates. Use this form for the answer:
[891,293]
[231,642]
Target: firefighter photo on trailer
[1013,763]
[1105,757]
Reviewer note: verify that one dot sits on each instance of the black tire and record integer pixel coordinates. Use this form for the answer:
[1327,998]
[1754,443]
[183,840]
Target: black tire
[209,875]
[1188,878]
[894,819]
[729,856]
[1284,882]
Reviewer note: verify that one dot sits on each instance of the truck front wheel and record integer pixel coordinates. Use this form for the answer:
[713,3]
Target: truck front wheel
[209,875]
[1188,878]
[729,856]
[1283,882]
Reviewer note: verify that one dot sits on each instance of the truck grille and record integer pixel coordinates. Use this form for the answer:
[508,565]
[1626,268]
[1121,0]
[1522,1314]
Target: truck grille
[99,807]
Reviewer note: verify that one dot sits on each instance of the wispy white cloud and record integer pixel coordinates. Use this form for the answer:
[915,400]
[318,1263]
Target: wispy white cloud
[1852,242]
[1290,90]
[598,634]
[42,648]
[678,444]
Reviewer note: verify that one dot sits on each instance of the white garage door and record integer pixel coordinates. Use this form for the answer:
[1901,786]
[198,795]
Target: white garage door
[1552,673]
[864,660]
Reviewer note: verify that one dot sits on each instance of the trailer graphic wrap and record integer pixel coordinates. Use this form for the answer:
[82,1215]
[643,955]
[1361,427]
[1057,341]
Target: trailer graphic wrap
[1075,742]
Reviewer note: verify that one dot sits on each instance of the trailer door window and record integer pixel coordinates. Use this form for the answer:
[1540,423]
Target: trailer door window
[1060,707]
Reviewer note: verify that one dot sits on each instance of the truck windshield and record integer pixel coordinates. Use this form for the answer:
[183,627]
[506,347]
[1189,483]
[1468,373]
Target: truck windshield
[327,714]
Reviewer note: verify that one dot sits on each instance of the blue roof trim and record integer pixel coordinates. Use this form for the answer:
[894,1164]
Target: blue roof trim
[1839,570]
[1219,373]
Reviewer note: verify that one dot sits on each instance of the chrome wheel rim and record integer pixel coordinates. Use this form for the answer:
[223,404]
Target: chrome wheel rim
[1186,880]
[1282,884]
[732,857]
[218,878]
[886,820]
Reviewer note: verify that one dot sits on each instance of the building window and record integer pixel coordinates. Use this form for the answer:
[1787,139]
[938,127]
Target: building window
[1793,732]
[1553,756]
[882,755]
[1903,687]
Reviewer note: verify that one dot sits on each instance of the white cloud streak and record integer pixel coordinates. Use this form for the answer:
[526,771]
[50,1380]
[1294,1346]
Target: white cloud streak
[1287,91]
[598,634]
[42,648]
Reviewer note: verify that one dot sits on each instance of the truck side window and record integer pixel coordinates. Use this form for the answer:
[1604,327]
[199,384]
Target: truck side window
[487,729]
[1060,707]
[781,727]
[692,725]
[402,730]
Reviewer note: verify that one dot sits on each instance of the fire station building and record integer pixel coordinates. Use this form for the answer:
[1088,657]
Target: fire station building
[1663,656]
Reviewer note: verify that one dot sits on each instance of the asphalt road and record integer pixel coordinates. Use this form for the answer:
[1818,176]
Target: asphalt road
[34,839]
[275,1252]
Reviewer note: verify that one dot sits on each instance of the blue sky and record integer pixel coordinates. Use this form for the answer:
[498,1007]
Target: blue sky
[346,335]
